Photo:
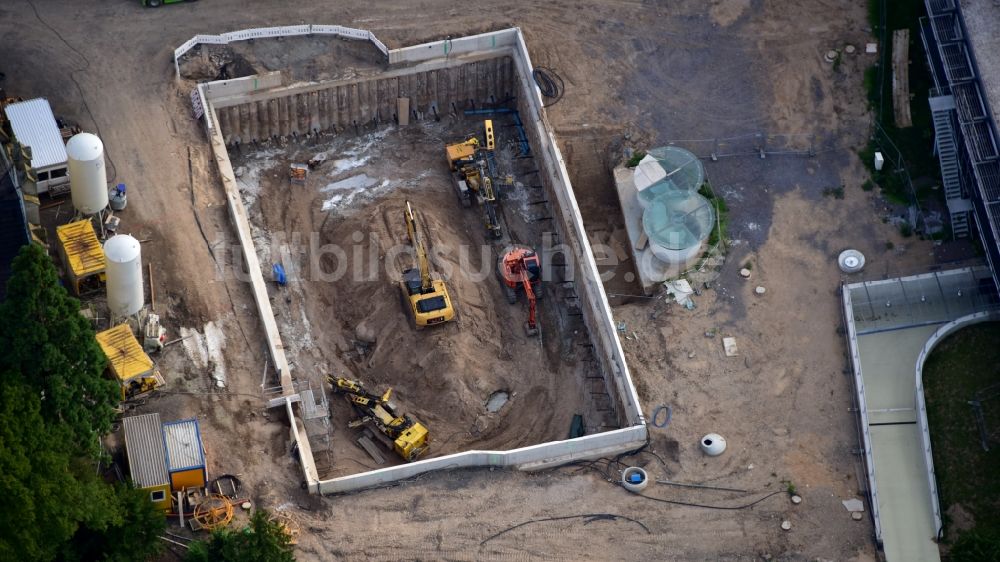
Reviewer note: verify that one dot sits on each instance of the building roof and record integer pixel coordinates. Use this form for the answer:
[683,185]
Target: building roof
[144,446]
[83,250]
[982,21]
[126,356]
[35,126]
[182,440]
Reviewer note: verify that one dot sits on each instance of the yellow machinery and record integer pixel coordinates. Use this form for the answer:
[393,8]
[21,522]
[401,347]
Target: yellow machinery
[131,367]
[472,172]
[408,437]
[83,255]
[426,299]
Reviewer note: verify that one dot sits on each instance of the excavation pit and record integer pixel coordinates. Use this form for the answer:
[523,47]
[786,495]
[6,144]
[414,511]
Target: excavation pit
[376,139]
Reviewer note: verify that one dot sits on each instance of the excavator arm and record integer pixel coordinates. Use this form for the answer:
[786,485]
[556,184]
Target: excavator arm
[426,285]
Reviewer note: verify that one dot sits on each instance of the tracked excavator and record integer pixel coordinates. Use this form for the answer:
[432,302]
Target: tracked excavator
[520,270]
[473,168]
[406,436]
[425,299]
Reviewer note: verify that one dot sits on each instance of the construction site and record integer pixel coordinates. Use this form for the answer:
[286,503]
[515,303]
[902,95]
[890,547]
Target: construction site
[549,282]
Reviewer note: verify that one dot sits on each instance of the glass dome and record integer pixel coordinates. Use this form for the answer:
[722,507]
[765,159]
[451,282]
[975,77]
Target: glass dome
[666,169]
[678,220]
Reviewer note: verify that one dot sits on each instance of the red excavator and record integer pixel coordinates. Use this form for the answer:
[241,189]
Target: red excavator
[520,268]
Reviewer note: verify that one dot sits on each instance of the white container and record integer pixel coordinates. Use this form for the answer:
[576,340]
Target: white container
[123,266]
[879,161]
[713,444]
[88,179]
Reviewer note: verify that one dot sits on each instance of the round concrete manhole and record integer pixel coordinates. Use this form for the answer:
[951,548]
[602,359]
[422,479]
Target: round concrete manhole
[635,479]
[851,261]
[497,400]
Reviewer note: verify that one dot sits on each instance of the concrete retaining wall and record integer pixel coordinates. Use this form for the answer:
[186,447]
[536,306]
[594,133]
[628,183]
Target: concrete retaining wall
[259,113]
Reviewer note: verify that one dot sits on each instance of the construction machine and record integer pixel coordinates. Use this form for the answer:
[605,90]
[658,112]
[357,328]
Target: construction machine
[520,270]
[425,299]
[406,436]
[473,168]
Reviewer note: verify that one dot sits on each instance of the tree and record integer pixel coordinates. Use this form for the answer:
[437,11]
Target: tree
[262,540]
[43,499]
[51,347]
[131,531]
[55,405]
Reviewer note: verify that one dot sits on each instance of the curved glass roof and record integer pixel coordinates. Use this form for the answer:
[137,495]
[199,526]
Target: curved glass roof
[678,220]
[666,169]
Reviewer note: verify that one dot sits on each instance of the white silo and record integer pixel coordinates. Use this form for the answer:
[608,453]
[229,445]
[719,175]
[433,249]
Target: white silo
[88,178]
[123,266]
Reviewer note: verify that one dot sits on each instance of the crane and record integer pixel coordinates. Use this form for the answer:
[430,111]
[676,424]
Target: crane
[408,437]
[520,269]
[425,299]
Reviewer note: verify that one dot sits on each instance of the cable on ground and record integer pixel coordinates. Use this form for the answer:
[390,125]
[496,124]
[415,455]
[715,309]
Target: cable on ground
[587,517]
[666,419]
[549,83]
[83,98]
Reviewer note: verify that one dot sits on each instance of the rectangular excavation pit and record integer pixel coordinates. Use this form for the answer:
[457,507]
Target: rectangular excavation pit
[344,117]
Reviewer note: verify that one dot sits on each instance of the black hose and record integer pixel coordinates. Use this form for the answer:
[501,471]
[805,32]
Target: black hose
[549,83]
[587,517]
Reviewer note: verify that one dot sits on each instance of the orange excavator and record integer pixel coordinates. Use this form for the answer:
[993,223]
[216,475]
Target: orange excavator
[520,269]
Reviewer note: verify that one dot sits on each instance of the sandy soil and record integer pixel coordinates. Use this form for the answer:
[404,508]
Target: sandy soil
[636,74]
[343,313]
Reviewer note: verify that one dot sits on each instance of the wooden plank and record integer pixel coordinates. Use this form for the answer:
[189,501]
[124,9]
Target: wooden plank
[371,449]
[901,77]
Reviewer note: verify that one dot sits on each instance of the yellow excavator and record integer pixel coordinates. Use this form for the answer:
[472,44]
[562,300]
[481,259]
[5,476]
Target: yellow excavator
[426,300]
[408,437]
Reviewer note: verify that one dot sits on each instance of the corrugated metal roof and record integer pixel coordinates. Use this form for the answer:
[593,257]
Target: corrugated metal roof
[126,356]
[183,443]
[35,126]
[144,445]
[82,248]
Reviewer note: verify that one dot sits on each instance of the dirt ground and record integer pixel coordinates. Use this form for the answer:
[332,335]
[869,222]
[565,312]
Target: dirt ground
[637,74]
[341,314]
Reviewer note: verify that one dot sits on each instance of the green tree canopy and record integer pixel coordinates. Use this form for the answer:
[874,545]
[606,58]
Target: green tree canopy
[51,347]
[46,493]
[130,531]
[55,404]
[262,540]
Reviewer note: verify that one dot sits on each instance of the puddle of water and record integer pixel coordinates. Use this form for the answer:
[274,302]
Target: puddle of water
[497,400]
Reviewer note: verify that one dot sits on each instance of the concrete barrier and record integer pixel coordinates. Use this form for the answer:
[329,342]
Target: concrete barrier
[271,32]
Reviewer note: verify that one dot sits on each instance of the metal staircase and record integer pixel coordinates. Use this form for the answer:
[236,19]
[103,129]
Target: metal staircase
[946,146]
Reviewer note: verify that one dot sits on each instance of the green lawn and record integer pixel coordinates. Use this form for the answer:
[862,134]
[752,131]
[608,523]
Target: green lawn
[961,365]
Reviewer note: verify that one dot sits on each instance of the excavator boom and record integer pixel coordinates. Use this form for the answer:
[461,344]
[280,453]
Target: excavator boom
[411,230]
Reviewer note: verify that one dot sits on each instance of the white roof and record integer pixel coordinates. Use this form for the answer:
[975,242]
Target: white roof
[648,172]
[183,444]
[35,126]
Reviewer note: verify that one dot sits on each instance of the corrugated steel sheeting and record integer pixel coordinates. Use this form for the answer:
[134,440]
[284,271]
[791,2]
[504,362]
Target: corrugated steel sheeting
[183,443]
[35,126]
[144,443]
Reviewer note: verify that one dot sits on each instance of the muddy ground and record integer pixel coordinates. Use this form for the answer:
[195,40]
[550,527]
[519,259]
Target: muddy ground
[637,74]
